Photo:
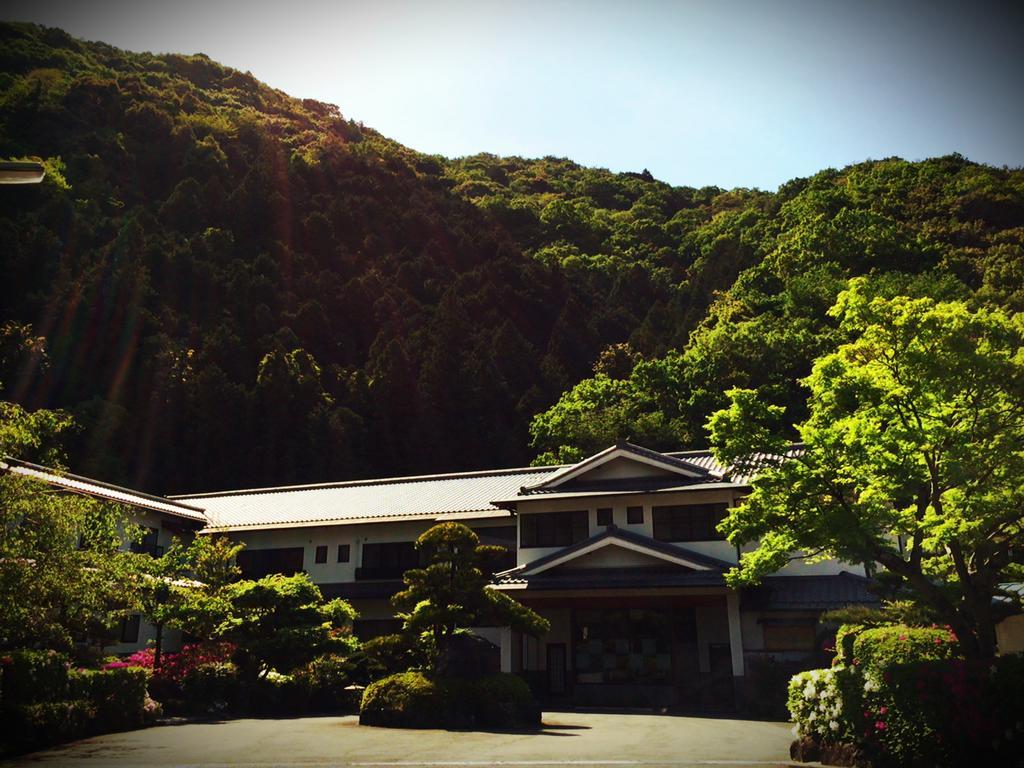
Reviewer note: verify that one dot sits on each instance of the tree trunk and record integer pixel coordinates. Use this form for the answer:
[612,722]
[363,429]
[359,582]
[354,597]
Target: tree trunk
[158,645]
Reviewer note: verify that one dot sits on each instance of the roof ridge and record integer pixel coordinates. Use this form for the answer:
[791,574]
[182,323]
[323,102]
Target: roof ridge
[369,481]
[101,484]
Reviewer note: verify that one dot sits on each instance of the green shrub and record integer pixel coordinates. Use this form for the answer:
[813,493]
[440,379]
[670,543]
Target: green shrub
[880,648]
[33,726]
[818,704]
[119,696]
[324,681]
[31,677]
[503,700]
[211,688]
[405,700]
[413,700]
[907,701]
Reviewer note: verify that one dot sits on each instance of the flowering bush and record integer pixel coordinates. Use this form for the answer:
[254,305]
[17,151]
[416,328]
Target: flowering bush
[899,695]
[816,704]
[166,681]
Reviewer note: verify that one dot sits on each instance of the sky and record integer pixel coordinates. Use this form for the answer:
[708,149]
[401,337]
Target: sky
[747,93]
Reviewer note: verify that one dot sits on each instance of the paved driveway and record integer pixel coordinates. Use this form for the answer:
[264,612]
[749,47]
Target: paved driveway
[568,739]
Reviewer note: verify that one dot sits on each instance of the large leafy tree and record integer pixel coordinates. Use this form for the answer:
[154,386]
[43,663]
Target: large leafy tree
[187,588]
[64,577]
[451,593]
[914,459]
[282,622]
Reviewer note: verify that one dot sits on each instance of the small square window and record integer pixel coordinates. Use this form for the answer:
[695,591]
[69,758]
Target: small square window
[321,553]
[343,553]
[604,516]
[634,515]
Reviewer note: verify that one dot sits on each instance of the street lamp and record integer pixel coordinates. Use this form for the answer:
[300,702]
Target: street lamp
[21,172]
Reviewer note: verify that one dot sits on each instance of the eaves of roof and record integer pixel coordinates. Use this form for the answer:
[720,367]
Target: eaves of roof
[105,491]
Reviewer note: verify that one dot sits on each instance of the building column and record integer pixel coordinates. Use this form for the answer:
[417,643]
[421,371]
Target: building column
[732,606]
[506,649]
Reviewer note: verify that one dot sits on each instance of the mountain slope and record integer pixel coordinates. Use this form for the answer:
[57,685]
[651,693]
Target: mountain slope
[240,288]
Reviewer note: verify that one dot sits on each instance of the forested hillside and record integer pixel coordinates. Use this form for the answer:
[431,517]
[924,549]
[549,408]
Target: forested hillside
[236,287]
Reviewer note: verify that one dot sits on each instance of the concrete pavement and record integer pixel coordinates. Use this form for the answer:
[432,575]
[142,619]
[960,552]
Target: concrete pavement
[568,739]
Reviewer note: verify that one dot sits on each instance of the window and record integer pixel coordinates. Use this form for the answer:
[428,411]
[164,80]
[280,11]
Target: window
[553,529]
[148,544]
[257,563]
[321,554]
[344,551]
[688,522]
[634,515]
[604,516]
[130,629]
[388,561]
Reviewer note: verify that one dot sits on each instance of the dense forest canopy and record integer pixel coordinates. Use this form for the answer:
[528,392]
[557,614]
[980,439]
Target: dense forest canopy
[231,287]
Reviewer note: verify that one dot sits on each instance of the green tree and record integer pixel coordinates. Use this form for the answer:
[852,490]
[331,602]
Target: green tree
[452,593]
[282,622]
[186,588]
[64,577]
[914,458]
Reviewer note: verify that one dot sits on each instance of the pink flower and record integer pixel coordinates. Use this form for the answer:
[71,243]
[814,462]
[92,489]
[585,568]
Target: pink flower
[883,710]
[903,637]
[880,726]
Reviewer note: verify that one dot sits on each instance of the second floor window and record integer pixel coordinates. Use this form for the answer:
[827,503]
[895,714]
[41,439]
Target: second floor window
[388,560]
[553,529]
[688,522]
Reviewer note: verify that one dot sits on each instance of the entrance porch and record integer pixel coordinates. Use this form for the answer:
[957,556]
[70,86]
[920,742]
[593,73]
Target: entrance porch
[662,649]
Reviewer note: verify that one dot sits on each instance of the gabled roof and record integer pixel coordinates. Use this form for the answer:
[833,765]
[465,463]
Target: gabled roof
[675,557]
[670,465]
[105,491]
[452,496]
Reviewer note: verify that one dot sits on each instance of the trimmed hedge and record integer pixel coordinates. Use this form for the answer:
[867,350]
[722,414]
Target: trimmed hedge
[45,703]
[413,700]
[31,677]
[119,696]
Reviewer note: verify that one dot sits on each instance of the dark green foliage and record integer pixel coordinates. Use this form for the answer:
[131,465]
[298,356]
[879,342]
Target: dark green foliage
[901,697]
[30,677]
[404,700]
[503,700]
[119,696]
[44,703]
[414,700]
[34,726]
[324,681]
[214,264]
[211,688]
[451,594]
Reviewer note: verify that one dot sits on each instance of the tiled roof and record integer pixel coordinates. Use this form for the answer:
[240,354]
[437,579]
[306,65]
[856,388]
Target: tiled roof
[809,593]
[706,460]
[105,491]
[424,496]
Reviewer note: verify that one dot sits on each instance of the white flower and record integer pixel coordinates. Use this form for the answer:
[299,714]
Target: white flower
[796,730]
[811,717]
[833,725]
[810,692]
[814,675]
